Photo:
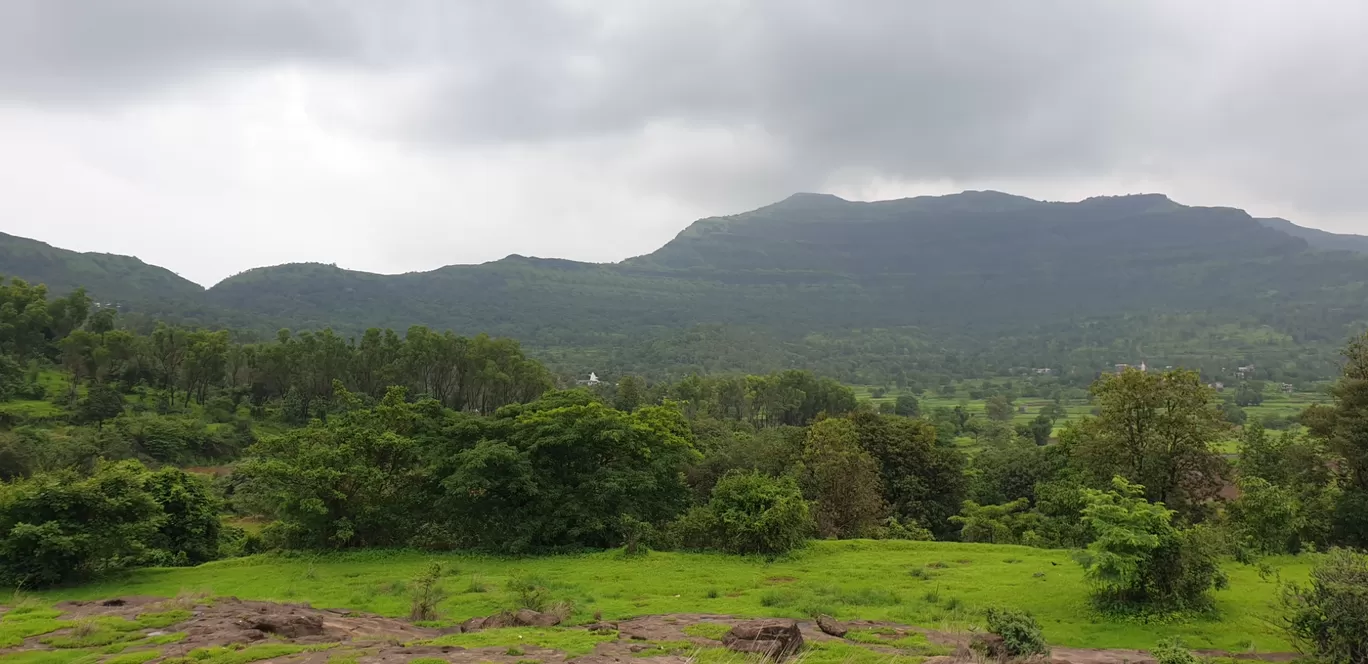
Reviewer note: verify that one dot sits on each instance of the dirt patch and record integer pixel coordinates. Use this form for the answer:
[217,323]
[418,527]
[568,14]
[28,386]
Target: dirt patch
[336,634]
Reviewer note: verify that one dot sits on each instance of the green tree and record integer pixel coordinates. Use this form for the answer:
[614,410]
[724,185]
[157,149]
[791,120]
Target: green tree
[995,524]
[907,405]
[1040,429]
[1157,430]
[546,477]
[1138,558]
[188,532]
[629,394]
[1344,428]
[842,480]
[1328,617]
[999,408]
[101,402]
[60,527]
[749,513]
[921,481]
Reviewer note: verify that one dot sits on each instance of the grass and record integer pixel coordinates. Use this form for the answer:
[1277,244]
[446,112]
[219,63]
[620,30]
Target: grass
[847,579]
[573,642]
[137,657]
[231,655]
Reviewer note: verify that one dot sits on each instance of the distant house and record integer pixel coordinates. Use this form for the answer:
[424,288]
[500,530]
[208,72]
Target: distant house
[592,381]
[1286,387]
[1218,386]
[1246,371]
[1122,367]
[1043,371]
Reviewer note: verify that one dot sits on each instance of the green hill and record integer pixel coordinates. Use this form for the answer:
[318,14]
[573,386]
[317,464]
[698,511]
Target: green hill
[108,278]
[962,285]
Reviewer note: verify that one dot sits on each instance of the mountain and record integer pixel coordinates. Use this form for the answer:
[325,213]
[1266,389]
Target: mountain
[963,285]
[1319,239]
[107,277]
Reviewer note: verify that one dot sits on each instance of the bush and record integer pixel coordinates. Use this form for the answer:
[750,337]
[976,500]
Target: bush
[1140,560]
[1019,631]
[749,513]
[427,593]
[1329,617]
[1173,651]
[60,527]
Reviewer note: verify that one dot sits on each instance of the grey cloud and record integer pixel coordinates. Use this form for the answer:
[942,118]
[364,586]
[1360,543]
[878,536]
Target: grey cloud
[1268,96]
[90,51]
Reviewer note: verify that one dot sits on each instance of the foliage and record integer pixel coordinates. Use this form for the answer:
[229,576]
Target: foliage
[1157,430]
[921,481]
[1139,559]
[60,527]
[190,530]
[1020,633]
[427,593]
[1328,617]
[749,513]
[1173,651]
[1008,523]
[842,480]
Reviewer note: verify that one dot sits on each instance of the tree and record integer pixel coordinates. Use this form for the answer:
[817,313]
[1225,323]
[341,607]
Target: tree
[189,530]
[1041,428]
[907,405]
[101,402]
[1328,618]
[1157,430]
[999,408]
[60,527]
[628,397]
[995,524]
[1139,559]
[921,481]
[749,513]
[842,481]
[543,477]
[1344,428]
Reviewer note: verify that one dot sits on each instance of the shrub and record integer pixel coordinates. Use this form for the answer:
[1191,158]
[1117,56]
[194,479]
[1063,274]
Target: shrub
[1140,560]
[427,593]
[1019,631]
[1329,617]
[529,592]
[60,527]
[749,513]
[1173,651]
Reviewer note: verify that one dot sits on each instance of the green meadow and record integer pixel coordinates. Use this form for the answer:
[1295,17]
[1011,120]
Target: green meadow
[928,584]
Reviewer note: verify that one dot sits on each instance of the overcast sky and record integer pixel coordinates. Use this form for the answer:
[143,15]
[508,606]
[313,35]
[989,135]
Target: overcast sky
[214,136]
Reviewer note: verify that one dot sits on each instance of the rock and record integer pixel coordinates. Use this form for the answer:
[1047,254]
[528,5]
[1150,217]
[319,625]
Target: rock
[990,646]
[530,618]
[602,627]
[290,626]
[831,626]
[473,625]
[776,638]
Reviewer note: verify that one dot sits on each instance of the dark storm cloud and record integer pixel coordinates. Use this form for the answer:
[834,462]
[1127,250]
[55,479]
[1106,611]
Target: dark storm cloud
[1255,96]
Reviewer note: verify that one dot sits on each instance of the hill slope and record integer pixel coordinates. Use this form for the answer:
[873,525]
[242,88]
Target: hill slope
[966,284]
[107,277]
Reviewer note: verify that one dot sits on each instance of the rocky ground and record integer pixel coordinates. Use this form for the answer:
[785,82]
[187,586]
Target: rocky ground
[227,630]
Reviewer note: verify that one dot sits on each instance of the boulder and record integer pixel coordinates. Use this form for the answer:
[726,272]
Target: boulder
[290,626]
[832,626]
[775,638]
[521,618]
[530,618]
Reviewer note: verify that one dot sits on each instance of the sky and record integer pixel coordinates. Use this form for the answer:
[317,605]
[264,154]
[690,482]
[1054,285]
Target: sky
[403,135]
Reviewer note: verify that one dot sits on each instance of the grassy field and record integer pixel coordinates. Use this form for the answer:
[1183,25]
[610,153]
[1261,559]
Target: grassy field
[930,584]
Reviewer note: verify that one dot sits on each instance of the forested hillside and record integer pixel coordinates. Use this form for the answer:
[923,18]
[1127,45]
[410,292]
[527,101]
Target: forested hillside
[891,291]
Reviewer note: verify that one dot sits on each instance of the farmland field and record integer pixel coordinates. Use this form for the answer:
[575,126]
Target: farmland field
[928,584]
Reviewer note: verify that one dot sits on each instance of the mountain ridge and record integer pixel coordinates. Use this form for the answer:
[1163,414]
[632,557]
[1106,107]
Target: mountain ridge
[977,277]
